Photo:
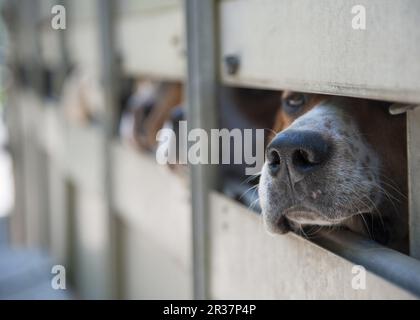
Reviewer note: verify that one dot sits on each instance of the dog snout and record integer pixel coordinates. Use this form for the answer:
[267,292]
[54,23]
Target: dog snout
[298,152]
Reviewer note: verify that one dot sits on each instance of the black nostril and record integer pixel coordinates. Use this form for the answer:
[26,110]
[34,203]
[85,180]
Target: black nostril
[303,152]
[273,158]
[283,225]
[303,160]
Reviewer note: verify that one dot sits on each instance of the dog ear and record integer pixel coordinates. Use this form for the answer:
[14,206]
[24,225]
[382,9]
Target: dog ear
[282,120]
[279,121]
[169,96]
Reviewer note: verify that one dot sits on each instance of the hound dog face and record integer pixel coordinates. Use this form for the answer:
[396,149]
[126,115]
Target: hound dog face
[334,161]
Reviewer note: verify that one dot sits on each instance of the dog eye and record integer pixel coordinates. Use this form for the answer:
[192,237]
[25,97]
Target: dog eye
[294,102]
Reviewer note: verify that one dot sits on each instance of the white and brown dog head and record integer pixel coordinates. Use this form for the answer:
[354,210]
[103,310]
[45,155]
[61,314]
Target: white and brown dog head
[336,161]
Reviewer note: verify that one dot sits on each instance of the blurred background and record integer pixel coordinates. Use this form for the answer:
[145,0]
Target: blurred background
[72,107]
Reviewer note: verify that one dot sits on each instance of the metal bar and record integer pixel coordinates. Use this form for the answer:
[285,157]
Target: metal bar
[109,77]
[400,269]
[413,157]
[202,97]
[110,67]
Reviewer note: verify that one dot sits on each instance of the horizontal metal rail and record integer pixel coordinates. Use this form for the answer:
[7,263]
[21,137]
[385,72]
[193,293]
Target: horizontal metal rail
[398,268]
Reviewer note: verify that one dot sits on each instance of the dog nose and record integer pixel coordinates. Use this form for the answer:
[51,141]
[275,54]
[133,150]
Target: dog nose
[301,152]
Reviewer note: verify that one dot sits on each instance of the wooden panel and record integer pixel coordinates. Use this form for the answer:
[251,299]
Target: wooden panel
[152,198]
[151,270]
[52,133]
[83,36]
[58,213]
[15,126]
[84,156]
[413,121]
[92,246]
[311,46]
[83,47]
[50,48]
[248,263]
[82,11]
[154,204]
[49,38]
[35,171]
[45,8]
[142,6]
[151,37]
[25,38]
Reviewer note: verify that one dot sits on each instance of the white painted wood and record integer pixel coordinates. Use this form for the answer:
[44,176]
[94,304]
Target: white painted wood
[248,263]
[158,218]
[92,267]
[50,46]
[15,126]
[34,169]
[142,6]
[152,38]
[84,156]
[82,10]
[311,46]
[52,134]
[58,213]
[76,154]
[83,36]
[46,132]
[83,47]
[45,8]
[49,38]
[154,199]
[154,205]
[151,270]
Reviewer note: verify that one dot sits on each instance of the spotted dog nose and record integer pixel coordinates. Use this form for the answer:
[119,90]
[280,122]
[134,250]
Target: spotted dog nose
[297,152]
